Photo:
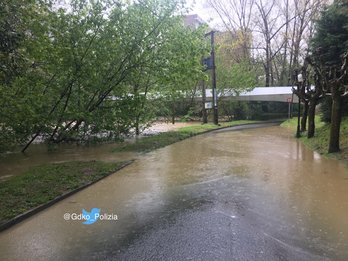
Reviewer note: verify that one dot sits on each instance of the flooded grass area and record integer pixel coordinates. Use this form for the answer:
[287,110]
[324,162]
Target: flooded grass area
[149,143]
[162,126]
[43,183]
[320,141]
[16,163]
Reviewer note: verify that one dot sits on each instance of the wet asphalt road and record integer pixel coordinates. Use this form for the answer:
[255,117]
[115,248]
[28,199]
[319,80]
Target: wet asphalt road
[215,224]
[253,194]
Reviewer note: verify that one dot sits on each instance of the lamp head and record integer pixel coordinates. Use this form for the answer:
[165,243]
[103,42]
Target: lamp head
[300,77]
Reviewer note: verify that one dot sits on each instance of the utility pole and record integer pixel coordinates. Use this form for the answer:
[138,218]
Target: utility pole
[210,65]
[204,111]
[215,105]
[298,131]
[299,81]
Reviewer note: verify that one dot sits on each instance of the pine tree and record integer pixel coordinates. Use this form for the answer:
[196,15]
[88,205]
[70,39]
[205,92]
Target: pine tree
[329,45]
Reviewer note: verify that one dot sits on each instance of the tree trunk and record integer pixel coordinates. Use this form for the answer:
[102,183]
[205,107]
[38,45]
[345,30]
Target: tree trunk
[173,113]
[311,118]
[137,129]
[304,116]
[267,66]
[267,79]
[272,75]
[334,143]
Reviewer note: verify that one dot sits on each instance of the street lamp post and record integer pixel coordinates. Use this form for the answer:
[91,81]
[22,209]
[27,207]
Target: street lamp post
[216,114]
[204,111]
[299,83]
[213,76]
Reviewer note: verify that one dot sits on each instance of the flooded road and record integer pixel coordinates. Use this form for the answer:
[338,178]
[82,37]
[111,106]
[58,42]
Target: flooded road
[254,194]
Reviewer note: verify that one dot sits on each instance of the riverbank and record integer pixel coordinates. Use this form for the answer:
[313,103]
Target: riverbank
[149,143]
[40,187]
[320,141]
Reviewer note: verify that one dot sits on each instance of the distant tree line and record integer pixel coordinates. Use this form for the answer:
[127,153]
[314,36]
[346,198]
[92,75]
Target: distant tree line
[286,38]
[271,35]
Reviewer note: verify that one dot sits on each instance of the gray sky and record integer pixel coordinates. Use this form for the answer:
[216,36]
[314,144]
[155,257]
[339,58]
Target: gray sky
[204,11]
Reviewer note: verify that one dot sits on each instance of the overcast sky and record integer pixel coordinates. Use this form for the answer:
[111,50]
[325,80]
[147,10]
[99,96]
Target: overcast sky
[204,11]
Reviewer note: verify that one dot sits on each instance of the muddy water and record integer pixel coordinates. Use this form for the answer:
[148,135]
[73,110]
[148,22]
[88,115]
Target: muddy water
[253,194]
[17,163]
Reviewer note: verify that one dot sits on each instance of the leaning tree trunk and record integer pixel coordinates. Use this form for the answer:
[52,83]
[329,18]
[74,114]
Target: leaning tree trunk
[173,113]
[311,117]
[334,143]
[304,116]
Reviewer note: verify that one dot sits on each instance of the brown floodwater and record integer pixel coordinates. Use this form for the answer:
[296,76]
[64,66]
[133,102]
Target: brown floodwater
[255,194]
[12,164]
[17,163]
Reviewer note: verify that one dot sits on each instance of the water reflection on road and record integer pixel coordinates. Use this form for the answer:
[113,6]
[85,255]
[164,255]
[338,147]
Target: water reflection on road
[253,194]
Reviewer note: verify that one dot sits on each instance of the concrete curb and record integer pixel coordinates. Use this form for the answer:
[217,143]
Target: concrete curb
[36,210]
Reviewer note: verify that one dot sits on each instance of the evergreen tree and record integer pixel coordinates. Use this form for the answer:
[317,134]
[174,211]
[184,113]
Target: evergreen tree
[329,45]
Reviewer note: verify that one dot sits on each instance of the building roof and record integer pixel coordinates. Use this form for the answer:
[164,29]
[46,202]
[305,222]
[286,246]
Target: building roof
[282,94]
[193,21]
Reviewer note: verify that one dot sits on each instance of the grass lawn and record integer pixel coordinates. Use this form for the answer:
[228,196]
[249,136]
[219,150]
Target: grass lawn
[44,183]
[150,143]
[320,141]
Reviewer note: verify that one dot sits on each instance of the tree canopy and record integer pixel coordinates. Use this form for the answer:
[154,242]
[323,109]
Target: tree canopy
[330,57]
[78,71]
